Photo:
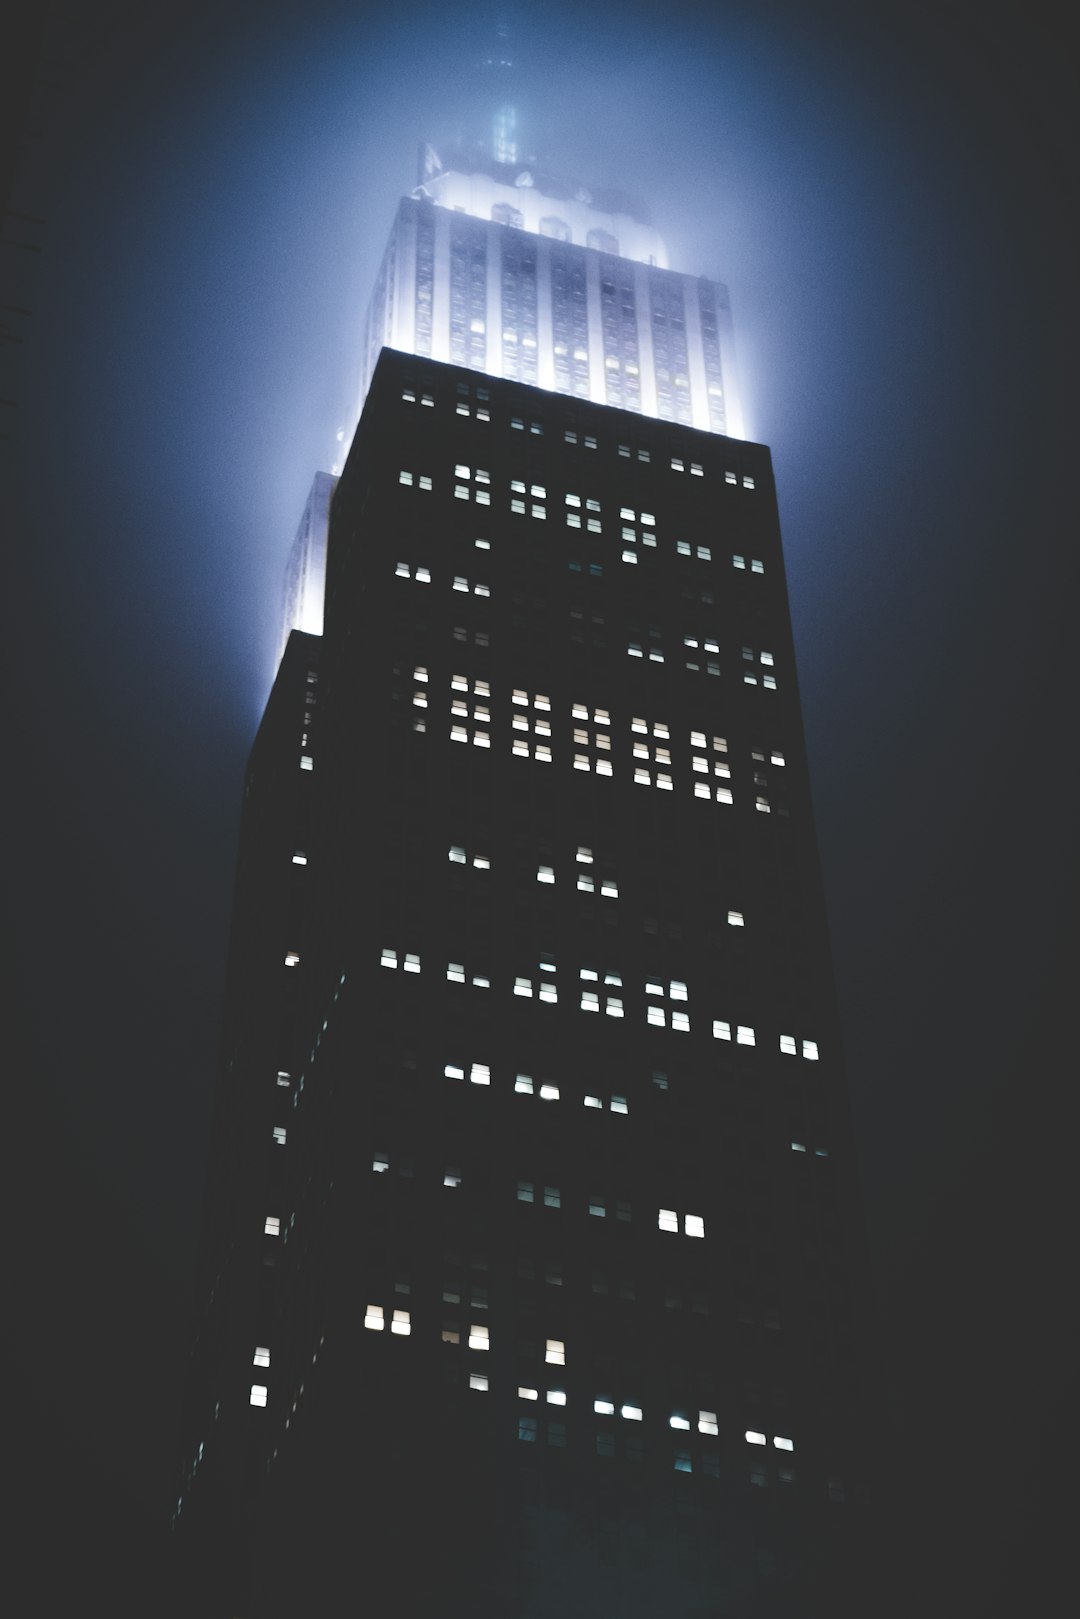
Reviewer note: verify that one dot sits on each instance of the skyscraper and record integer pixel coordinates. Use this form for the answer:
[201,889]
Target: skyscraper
[533,1263]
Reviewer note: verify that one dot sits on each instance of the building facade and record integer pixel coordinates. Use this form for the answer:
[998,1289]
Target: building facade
[522,275]
[557,1204]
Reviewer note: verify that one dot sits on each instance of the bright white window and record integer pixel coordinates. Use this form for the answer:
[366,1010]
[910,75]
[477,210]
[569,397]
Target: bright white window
[788,1046]
[694,1225]
[279,1135]
[401,1323]
[668,1220]
[810,1050]
[523,1084]
[745,1036]
[261,1357]
[477,1380]
[754,1438]
[679,1419]
[412,963]
[549,1093]
[545,874]
[604,1408]
[556,1396]
[632,1413]
[479,1337]
[781,1443]
[528,1394]
[707,1422]
[555,1352]
[258,1394]
[272,1226]
[373,1319]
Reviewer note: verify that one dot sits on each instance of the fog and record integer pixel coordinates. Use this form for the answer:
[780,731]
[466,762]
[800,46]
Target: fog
[885,192]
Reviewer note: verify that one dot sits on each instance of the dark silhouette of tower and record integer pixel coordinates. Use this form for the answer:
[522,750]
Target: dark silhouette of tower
[533,1265]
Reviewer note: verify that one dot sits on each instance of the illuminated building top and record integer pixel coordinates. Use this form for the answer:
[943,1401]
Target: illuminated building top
[495,264]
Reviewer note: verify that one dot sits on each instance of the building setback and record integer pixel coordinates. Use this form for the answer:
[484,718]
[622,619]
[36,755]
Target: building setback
[540,1148]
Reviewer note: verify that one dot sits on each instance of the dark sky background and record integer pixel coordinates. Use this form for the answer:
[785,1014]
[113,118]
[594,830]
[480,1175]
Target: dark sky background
[889,192]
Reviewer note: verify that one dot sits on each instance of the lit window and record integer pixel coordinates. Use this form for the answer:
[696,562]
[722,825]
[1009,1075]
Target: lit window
[787,1045]
[258,1394]
[707,1422]
[810,1050]
[401,1323]
[452,1177]
[261,1357]
[556,1396]
[555,1352]
[694,1225]
[781,1443]
[272,1226]
[632,1413]
[753,1438]
[523,1084]
[480,1074]
[545,874]
[306,762]
[279,1135]
[479,1337]
[412,963]
[477,1380]
[668,1220]
[373,1319]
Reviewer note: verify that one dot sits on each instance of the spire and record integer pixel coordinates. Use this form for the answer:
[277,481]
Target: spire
[497,69]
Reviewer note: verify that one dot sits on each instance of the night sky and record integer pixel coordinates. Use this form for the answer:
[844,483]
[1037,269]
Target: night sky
[890,193]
